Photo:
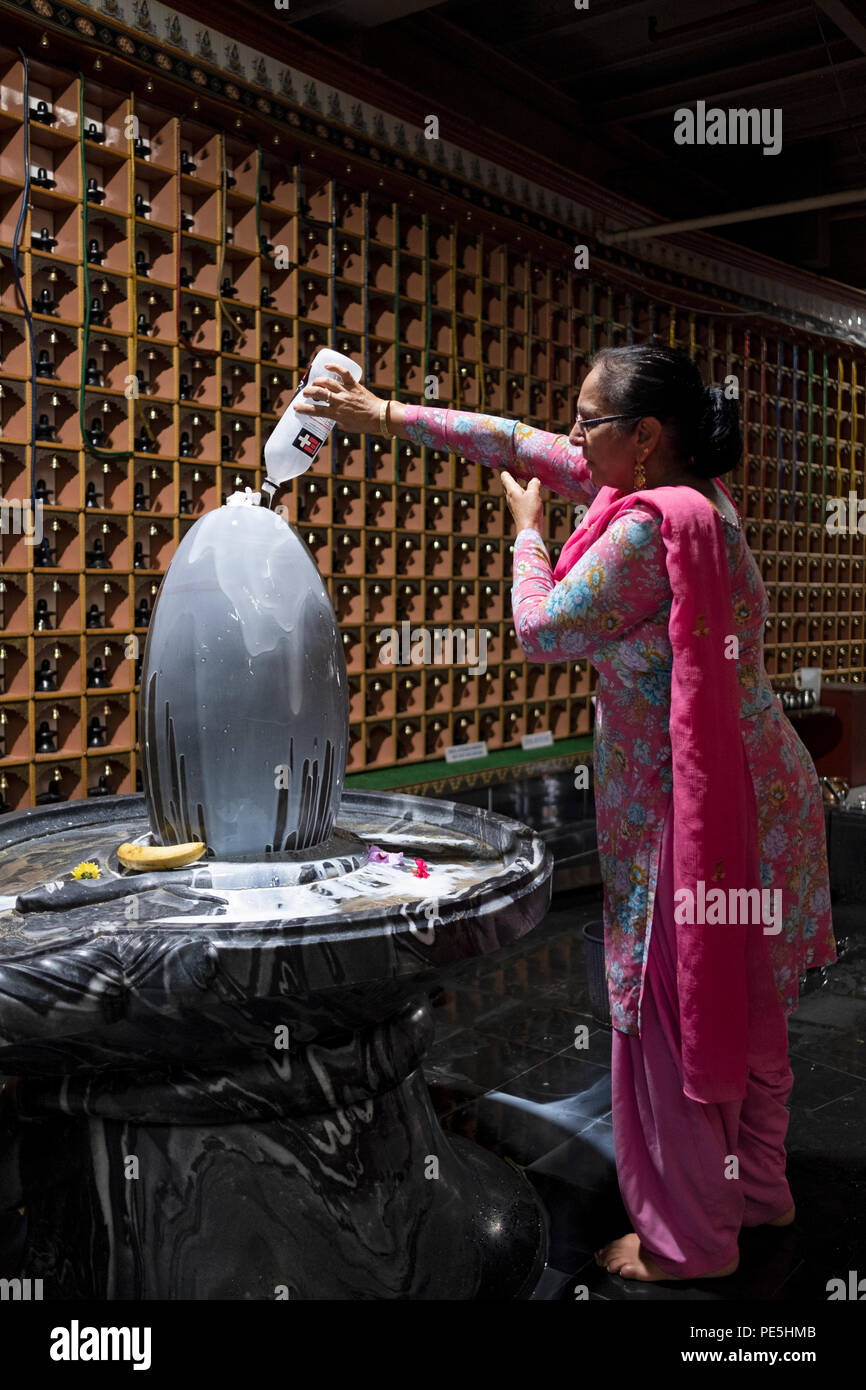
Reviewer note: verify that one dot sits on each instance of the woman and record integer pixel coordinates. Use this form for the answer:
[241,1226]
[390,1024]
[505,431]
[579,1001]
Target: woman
[708,805]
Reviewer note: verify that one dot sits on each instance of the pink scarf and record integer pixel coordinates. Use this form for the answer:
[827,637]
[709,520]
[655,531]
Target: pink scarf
[715,833]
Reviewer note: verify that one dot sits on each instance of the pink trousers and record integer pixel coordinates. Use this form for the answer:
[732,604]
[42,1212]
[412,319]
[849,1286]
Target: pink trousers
[685,1195]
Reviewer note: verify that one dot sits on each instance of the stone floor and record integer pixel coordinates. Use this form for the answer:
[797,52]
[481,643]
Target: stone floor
[504,1072]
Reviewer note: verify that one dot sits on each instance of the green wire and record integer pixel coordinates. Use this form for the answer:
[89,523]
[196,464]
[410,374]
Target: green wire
[396,206]
[259,199]
[809,446]
[428,305]
[88,447]
[824,433]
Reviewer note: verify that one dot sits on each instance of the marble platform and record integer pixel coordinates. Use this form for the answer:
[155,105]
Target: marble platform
[218,1091]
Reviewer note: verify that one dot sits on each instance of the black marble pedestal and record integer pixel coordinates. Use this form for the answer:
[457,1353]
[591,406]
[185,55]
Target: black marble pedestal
[222,1109]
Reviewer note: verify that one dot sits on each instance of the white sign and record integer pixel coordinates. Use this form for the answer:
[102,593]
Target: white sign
[462,752]
[540,740]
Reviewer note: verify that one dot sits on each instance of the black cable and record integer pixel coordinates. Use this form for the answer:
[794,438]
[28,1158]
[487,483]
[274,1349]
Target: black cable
[18,285]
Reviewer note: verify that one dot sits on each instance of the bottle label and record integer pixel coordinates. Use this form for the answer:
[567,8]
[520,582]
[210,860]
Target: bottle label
[308,443]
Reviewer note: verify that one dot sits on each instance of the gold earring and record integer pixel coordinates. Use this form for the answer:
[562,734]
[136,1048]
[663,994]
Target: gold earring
[639,475]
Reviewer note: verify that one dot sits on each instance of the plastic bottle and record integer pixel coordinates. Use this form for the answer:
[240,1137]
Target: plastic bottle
[295,443]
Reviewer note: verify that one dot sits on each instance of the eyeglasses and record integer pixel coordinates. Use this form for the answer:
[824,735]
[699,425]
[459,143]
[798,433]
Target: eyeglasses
[584,425]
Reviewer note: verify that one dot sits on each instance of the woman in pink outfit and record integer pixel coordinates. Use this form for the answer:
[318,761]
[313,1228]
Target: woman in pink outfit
[710,821]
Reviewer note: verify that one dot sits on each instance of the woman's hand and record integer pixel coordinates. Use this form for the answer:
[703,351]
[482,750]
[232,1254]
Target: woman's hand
[351,405]
[524,503]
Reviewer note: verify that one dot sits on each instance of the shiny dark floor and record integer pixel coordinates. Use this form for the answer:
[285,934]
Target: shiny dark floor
[505,1073]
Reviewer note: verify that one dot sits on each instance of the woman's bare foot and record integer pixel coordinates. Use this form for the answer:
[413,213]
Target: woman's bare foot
[627,1258]
[784,1220]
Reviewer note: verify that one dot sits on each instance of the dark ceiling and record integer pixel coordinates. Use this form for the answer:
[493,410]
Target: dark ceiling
[596,91]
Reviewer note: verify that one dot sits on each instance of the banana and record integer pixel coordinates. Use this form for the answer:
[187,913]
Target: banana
[143,857]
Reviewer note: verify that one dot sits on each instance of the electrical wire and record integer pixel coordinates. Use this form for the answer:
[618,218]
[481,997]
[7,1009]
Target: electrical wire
[840,377]
[428,307]
[365,311]
[134,273]
[779,361]
[810,440]
[794,470]
[479,344]
[22,295]
[824,431]
[396,207]
[89,447]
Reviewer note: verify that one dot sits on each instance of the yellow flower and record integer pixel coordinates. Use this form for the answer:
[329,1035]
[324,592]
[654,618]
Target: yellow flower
[86,869]
[778,792]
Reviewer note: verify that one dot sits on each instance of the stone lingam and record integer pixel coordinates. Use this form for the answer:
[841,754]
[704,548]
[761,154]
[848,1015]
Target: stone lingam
[214,1085]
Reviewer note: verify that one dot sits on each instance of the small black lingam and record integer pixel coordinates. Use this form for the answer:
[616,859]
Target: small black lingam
[46,738]
[97,676]
[43,240]
[96,732]
[45,677]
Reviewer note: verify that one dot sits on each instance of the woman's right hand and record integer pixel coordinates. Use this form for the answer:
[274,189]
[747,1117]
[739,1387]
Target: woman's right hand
[351,404]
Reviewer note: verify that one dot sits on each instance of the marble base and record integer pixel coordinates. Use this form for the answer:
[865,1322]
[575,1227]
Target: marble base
[267,1187]
[215,1099]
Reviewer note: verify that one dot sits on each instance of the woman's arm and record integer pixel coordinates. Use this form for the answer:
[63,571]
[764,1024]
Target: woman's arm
[491,439]
[619,581]
[527,453]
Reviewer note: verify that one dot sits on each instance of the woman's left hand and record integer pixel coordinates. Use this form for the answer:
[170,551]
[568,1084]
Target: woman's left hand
[524,503]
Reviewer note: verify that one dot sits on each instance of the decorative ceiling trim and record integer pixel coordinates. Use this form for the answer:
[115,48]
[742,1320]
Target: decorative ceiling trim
[153,36]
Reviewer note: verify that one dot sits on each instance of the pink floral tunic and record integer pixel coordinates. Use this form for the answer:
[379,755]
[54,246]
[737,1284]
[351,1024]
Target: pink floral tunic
[612,609]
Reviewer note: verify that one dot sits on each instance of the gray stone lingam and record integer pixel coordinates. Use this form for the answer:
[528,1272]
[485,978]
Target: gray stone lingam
[215,1086]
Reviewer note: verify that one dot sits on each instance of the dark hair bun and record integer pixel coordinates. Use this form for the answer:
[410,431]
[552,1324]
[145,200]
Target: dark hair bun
[651,379]
[719,443]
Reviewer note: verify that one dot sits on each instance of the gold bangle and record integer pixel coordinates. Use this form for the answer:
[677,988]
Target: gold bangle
[388,420]
[383,418]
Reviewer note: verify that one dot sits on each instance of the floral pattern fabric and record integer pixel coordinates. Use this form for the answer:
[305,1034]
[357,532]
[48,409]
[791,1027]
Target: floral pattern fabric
[612,609]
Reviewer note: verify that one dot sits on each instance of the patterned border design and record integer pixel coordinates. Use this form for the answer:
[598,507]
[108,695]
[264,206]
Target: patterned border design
[373,135]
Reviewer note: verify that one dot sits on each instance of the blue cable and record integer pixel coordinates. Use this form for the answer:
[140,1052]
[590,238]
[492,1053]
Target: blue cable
[365,301]
[796,428]
[780,465]
[18,285]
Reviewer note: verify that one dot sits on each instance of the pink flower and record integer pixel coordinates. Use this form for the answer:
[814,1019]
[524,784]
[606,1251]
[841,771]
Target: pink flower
[420,870]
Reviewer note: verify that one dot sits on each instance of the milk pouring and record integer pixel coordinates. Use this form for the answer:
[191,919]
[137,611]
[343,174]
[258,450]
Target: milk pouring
[295,443]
